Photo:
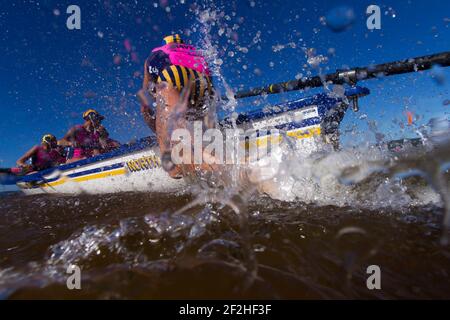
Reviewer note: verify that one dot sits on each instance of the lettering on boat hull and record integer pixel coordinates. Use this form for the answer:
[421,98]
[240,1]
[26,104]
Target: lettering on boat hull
[143,163]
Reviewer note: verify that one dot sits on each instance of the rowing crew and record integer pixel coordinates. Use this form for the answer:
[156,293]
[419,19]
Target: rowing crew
[82,141]
[177,81]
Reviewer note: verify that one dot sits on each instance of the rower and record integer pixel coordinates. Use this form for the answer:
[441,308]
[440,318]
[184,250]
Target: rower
[43,156]
[85,138]
[167,71]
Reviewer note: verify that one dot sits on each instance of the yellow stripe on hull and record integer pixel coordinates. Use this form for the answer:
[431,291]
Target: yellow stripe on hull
[95,176]
[299,134]
[303,134]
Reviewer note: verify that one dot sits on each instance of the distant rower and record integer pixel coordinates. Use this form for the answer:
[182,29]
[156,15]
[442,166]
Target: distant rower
[43,156]
[86,139]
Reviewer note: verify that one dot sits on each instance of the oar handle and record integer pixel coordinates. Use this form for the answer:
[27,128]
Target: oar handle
[354,75]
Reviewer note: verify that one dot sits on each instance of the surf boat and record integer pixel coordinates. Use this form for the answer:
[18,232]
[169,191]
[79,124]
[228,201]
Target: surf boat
[136,167]
[310,121]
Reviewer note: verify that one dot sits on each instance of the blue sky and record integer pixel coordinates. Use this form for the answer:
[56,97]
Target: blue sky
[50,75]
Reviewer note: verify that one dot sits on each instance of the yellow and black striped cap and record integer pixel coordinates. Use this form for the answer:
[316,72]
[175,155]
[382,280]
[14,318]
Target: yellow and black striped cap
[175,38]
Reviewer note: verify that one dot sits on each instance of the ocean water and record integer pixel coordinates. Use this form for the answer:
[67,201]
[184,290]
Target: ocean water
[315,242]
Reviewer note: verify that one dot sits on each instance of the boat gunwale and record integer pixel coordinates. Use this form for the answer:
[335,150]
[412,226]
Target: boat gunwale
[317,99]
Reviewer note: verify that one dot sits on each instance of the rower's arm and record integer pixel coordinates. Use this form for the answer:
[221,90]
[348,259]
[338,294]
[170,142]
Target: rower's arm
[147,112]
[105,141]
[66,141]
[102,132]
[149,117]
[30,153]
[146,80]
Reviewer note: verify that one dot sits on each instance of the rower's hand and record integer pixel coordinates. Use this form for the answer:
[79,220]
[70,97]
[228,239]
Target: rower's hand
[25,168]
[147,110]
[144,98]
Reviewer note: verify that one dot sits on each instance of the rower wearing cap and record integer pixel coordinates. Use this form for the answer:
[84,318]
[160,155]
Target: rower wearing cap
[42,156]
[85,138]
[167,71]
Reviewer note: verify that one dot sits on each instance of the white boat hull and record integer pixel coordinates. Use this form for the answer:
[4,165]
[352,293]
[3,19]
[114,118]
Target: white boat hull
[136,172]
[137,167]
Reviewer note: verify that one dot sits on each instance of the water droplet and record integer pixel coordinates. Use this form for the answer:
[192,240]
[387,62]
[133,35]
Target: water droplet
[259,248]
[340,18]
[438,75]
